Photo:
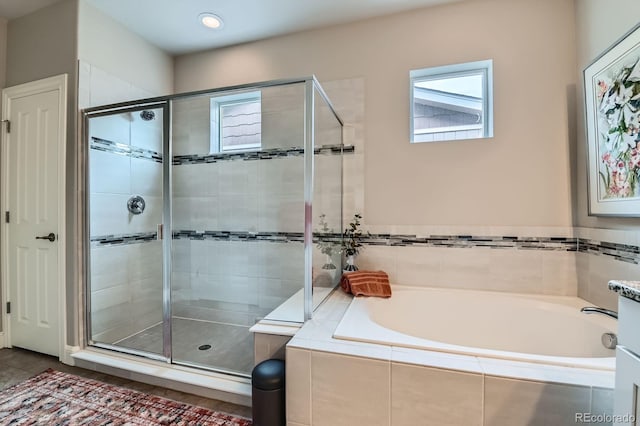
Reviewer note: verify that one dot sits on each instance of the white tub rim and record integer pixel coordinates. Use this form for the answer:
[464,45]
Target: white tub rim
[344,332]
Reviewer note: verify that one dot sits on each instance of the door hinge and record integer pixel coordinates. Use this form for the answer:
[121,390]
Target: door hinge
[8,125]
[6,217]
[8,307]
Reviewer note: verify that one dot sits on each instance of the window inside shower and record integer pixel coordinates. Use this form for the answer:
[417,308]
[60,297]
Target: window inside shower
[236,122]
[188,246]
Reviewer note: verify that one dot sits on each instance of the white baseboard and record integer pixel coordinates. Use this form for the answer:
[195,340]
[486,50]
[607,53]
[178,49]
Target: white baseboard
[67,357]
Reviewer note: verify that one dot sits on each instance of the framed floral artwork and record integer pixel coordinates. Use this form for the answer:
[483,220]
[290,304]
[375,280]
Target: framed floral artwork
[612,97]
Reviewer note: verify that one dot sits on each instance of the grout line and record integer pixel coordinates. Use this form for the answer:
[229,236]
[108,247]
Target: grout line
[137,332]
[182,318]
[211,322]
[482,398]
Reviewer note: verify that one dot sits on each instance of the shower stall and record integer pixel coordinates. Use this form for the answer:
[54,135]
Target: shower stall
[206,213]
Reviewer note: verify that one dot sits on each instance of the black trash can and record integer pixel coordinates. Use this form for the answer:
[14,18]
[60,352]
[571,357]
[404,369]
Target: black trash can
[267,393]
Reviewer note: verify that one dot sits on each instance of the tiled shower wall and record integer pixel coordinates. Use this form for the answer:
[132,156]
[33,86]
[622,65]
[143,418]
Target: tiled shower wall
[126,284]
[243,197]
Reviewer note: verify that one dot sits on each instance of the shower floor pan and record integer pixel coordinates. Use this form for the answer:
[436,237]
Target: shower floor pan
[217,345]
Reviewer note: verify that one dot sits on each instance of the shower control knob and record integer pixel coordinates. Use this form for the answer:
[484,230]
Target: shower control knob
[136,204]
[609,340]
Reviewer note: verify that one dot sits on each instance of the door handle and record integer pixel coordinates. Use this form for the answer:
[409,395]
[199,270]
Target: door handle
[51,237]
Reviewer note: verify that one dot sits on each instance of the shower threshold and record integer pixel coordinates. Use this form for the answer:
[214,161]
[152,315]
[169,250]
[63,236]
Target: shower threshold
[208,384]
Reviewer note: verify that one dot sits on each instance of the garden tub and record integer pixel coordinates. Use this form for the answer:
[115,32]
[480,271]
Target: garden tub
[529,328]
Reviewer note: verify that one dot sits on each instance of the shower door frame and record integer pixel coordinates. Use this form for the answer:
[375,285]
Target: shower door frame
[87,114]
[311,87]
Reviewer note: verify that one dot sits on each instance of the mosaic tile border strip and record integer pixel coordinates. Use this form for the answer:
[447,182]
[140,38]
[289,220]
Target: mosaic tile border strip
[266,154]
[105,145]
[472,241]
[112,240]
[131,151]
[452,241]
[276,237]
[620,252]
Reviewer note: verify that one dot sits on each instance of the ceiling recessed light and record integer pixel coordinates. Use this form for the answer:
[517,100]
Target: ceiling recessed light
[210,20]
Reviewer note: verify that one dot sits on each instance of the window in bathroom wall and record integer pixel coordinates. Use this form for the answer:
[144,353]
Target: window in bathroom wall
[236,122]
[452,102]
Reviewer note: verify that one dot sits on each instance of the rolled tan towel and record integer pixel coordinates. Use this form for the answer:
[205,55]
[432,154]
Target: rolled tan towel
[366,283]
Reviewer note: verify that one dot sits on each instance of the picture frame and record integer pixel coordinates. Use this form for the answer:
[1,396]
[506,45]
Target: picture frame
[612,108]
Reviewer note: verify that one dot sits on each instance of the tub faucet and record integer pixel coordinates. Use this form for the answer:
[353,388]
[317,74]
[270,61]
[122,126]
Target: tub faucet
[596,310]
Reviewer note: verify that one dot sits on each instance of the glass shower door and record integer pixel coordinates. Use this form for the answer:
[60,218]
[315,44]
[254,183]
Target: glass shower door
[125,191]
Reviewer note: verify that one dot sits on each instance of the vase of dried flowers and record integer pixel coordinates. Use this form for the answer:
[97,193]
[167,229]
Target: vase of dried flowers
[352,242]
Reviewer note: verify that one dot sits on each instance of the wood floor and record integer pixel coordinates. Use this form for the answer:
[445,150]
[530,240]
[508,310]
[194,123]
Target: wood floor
[17,365]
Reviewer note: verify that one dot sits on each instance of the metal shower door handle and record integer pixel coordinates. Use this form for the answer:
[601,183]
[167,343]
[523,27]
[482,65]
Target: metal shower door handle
[51,237]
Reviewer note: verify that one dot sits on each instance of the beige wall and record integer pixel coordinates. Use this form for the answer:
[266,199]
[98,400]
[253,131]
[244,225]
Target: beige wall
[520,177]
[109,46]
[598,26]
[43,44]
[39,45]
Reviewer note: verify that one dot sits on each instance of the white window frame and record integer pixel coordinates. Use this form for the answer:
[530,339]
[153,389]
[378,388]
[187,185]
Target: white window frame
[217,102]
[484,68]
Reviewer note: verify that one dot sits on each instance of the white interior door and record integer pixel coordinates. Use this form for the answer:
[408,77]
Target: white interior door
[33,201]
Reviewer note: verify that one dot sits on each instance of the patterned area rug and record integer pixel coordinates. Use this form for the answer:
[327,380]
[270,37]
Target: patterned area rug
[55,398]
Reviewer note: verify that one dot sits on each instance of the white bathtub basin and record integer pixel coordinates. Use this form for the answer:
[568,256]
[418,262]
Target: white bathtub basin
[530,328]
